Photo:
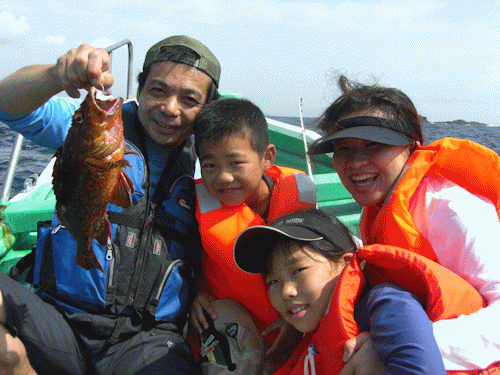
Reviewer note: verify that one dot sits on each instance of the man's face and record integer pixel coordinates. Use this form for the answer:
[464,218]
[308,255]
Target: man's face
[169,101]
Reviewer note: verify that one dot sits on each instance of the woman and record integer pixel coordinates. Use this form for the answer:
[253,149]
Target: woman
[439,200]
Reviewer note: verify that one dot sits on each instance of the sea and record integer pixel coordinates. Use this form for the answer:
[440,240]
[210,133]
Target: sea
[33,158]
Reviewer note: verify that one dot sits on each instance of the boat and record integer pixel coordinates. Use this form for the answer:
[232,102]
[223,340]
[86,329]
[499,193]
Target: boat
[19,215]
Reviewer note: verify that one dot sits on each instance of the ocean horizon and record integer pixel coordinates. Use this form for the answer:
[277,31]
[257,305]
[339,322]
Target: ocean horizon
[34,158]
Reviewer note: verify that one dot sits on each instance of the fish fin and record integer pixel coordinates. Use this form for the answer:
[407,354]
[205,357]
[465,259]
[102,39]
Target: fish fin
[123,191]
[101,164]
[101,148]
[128,150]
[87,260]
[107,165]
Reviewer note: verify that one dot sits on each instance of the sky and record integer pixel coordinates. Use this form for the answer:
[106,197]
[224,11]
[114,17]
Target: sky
[444,55]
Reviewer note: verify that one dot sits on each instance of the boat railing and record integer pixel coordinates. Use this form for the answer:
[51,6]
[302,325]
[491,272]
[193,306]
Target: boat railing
[18,141]
[110,50]
[11,168]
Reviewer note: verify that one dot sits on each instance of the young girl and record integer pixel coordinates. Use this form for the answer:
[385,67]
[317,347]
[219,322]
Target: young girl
[440,200]
[318,286]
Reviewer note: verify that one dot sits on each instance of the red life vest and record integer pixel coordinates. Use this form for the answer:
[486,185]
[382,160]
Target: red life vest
[445,294]
[220,225]
[473,167]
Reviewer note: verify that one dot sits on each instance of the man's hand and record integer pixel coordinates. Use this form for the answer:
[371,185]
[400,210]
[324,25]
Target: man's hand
[361,357]
[81,68]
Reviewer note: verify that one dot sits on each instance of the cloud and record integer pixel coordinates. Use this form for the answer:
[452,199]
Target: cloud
[57,39]
[311,14]
[9,25]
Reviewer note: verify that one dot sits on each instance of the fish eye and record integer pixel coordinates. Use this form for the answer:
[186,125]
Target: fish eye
[78,117]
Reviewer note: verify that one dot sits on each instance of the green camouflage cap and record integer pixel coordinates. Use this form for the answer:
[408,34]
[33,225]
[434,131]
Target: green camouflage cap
[207,62]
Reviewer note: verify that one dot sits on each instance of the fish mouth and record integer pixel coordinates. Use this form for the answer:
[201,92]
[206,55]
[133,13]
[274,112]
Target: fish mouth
[107,106]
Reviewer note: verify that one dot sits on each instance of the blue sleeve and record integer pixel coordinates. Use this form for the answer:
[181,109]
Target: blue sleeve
[401,331]
[48,125]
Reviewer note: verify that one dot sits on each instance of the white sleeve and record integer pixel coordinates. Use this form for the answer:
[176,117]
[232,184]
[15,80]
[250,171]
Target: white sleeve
[464,231]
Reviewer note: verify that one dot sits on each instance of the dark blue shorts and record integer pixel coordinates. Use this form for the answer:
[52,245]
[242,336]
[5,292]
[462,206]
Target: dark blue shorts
[60,343]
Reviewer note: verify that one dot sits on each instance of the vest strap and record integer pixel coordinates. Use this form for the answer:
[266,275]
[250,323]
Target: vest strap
[124,219]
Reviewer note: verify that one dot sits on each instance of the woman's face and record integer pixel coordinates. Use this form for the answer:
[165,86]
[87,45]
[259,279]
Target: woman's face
[367,169]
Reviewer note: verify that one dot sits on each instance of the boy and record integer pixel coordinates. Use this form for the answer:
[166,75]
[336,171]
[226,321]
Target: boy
[240,187]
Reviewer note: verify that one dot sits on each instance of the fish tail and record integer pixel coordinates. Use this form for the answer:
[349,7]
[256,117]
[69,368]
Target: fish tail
[88,261]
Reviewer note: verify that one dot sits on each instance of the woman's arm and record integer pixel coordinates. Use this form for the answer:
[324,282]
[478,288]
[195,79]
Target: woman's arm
[401,331]
[464,231]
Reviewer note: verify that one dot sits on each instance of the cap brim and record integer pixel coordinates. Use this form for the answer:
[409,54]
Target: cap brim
[369,133]
[254,244]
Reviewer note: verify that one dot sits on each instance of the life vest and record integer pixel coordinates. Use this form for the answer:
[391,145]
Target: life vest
[145,266]
[220,225]
[474,167]
[445,294]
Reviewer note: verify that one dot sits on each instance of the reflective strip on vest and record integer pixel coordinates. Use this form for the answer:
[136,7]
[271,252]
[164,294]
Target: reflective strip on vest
[307,189]
[206,201]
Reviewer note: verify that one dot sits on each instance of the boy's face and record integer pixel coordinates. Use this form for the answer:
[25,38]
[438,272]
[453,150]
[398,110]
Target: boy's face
[301,284]
[232,170]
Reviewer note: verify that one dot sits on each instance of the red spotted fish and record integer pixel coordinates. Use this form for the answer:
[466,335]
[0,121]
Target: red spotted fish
[88,175]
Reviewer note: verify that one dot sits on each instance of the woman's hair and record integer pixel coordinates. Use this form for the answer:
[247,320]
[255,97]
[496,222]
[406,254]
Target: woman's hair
[285,245]
[394,103]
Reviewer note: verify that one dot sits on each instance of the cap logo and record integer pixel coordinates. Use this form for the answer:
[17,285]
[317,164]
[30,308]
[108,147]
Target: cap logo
[295,220]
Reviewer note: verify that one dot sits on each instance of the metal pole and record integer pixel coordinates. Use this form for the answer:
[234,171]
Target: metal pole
[14,157]
[111,48]
[308,160]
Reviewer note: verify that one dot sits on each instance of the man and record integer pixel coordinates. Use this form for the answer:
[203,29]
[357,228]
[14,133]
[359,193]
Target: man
[128,320]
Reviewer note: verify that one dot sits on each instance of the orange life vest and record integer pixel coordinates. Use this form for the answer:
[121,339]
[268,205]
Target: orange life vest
[220,225]
[445,294]
[474,167]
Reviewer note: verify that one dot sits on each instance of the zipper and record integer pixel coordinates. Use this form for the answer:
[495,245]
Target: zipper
[139,264]
[165,277]
[111,259]
[56,229]
[109,250]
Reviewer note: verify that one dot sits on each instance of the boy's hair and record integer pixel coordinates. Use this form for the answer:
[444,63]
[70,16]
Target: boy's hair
[230,116]
[285,245]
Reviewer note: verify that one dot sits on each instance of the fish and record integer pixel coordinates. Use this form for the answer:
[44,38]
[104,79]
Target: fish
[88,174]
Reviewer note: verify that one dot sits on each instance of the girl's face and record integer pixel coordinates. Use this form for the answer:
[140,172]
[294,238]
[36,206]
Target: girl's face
[367,169]
[301,284]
